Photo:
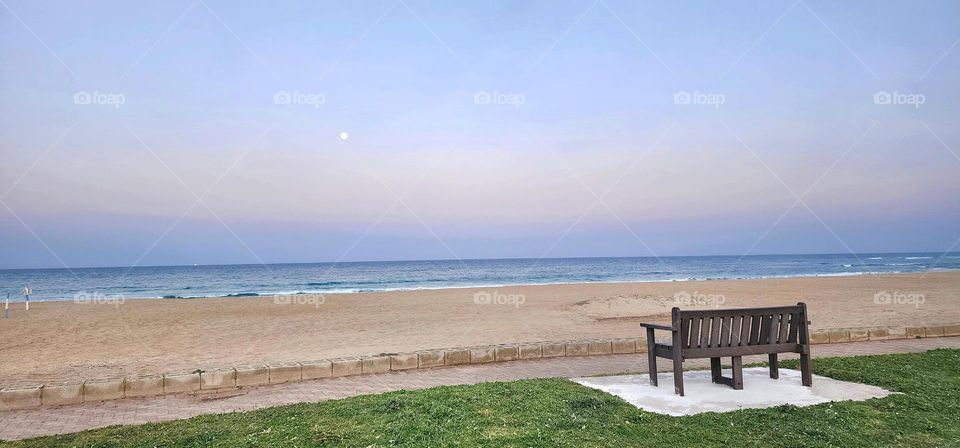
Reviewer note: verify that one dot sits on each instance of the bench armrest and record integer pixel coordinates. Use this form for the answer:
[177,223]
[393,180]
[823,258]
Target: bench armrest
[657,326]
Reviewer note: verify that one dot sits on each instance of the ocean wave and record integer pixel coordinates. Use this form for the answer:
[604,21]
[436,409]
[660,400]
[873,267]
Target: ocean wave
[360,289]
[917,258]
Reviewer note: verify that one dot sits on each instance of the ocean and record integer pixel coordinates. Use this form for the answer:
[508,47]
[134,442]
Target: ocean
[257,280]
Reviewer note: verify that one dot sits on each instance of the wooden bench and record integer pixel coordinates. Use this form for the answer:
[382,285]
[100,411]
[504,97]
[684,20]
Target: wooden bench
[733,332]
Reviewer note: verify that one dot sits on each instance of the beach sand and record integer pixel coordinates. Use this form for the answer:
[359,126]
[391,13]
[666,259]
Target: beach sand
[65,340]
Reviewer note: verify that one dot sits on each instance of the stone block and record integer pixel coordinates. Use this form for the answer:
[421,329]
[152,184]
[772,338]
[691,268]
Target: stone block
[176,383]
[859,335]
[60,394]
[933,332]
[951,330]
[507,353]
[481,355]
[431,358]
[898,333]
[552,350]
[641,345]
[346,367]
[143,386]
[577,349]
[879,334]
[623,346]
[285,373]
[456,357]
[248,376]
[599,348]
[312,370]
[22,398]
[404,361]
[102,390]
[915,332]
[820,337]
[218,379]
[839,336]
[531,351]
[376,364]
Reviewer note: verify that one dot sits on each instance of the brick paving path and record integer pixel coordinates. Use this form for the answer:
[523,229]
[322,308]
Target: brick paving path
[72,418]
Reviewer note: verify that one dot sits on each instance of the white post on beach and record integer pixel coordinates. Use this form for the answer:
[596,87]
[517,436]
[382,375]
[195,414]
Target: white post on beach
[26,297]
[6,307]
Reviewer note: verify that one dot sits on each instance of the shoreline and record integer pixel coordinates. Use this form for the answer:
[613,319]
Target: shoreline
[252,294]
[58,340]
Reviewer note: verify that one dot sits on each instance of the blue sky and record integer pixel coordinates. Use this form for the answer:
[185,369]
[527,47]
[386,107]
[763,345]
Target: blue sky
[180,153]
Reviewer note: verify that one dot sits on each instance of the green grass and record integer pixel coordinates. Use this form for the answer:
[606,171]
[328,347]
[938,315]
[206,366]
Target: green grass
[551,413]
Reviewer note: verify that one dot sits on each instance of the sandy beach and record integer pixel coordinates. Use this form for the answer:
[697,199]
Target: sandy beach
[63,340]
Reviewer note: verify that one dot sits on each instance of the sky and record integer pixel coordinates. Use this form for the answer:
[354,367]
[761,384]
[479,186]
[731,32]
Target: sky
[217,132]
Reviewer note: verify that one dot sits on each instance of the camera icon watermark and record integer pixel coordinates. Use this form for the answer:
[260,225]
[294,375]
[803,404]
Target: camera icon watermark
[484,98]
[684,298]
[96,298]
[497,298]
[295,98]
[884,98]
[97,98]
[685,98]
[899,298]
[314,300]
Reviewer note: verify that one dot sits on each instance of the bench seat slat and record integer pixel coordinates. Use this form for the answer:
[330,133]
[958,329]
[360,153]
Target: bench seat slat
[745,331]
[705,333]
[794,327]
[755,329]
[695,332]
[784,327]
[766,321]
[735,331]
[715,331]
[725,331]
[774,329]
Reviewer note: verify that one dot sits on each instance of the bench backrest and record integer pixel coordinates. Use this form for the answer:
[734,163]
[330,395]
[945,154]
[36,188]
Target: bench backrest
[741,327]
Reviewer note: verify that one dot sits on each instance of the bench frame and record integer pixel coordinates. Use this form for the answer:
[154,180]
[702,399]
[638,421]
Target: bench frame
[733,332]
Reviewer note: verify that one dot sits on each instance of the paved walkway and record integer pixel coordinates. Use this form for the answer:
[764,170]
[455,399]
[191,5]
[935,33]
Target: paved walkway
[72,418]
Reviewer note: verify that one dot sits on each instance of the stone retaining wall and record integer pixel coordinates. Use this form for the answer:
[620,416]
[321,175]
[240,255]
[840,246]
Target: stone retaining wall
[200,381]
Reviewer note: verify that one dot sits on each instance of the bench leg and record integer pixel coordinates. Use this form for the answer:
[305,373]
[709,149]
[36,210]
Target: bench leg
[737,372]
[715,369]
[805,374]
[774,368]
[678,376]
[652,357]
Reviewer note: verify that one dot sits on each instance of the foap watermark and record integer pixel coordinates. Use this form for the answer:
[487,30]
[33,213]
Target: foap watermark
[96,298]
[295,98]
[497,298]
[884,98]
[698,98]
[899,298]
[300,299]
[483,98]
[97,98]
[684,298]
